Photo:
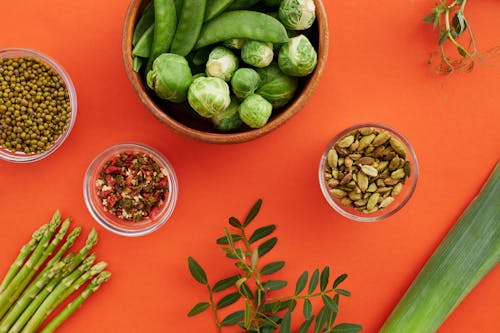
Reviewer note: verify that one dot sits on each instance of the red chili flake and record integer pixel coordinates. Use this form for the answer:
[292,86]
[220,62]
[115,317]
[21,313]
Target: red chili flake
[132,186]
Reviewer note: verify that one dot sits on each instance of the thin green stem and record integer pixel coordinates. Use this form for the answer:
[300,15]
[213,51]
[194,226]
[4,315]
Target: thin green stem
[214,309]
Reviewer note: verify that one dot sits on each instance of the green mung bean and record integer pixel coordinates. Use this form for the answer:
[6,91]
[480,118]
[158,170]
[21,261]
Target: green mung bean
[35,107]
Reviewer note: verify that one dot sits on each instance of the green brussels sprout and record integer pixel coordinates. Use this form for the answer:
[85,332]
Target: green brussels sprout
[170,77]
[276,87]
[256,53]
[297,14]
[255,111]
[234,43]
[228,119]
[221,63]
[244,82]
[297,57]
[208,95]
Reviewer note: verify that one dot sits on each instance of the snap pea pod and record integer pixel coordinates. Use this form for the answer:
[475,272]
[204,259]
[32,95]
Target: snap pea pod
[242,24]
[164,29]
[215,7]
[143,46]
[178,6]
[189,27]
[147,18]
[137,64]
[242,4]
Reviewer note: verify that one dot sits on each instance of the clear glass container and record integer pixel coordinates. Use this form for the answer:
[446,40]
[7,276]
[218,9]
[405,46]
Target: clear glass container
[119,225]
[20,157]
[399,201]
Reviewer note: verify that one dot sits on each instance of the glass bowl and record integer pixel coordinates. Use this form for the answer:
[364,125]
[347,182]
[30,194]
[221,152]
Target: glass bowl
[349,193]
[20,157]
[117,224]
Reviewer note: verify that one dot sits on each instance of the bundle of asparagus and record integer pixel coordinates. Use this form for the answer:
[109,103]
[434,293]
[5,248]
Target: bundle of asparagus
[29,294]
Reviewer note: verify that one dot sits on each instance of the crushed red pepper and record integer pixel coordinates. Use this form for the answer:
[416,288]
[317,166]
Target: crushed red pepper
[132,186]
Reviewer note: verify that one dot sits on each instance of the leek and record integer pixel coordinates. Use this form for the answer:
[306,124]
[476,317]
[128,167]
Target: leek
[469,251]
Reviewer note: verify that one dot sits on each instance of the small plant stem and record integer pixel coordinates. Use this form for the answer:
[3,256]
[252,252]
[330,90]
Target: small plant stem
[214,309]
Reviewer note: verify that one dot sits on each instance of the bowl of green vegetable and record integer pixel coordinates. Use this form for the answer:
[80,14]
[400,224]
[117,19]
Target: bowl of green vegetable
[37,105]
[224,71]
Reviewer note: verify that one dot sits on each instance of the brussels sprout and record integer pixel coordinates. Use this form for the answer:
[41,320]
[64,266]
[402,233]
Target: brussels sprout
[255,111]
[297,57]
[208,95]
[221,63]
[297,14]
[195,76]
[234,43]
[244,82]
[170,77]
[258,54]
[276,87]
[228,119]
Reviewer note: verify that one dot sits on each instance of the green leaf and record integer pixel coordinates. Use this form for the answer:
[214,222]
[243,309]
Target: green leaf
[347,328]
[234,222]
[307,310]
[198,308]
[253,212]
[248,314]
[429,18]
[461,51]
[267,246]
[276,306]
[330,303]
[228,300]
[332,315]
[321,319]
[246,291]
[443,37]
[225,283]
[233,318]
[301,282]
[272,267]
[274,284]
[291,305]
[262,232]
[286,323]
[343,292]
[339,280]
[196,271]
[314,281]
[304,328]
[325,276]
[223,240]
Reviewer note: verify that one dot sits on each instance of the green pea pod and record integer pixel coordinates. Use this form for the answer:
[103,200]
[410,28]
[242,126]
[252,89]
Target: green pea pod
[143,46]
[242,4]
[215,7]
[178,7]
[242,24]
[164,29]
[137,64]
[147,18]
[189,27]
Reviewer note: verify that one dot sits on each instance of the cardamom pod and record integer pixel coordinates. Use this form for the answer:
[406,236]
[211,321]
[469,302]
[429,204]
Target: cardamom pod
[363,181]
[386,202]
[332,158]
[398,147]
[365,141]
[338,193]
[381,138]
[346,141]
[372,201]
[398,174]
[369,170]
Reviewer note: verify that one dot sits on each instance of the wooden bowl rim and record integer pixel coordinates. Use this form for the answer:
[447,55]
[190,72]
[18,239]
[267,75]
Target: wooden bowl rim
[223,138]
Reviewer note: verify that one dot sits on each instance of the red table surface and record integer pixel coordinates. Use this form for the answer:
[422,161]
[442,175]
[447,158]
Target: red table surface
[376,72]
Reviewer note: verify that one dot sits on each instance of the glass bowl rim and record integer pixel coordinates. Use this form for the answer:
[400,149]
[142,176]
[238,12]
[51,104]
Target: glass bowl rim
[16,157]
[169,204]
[388,212]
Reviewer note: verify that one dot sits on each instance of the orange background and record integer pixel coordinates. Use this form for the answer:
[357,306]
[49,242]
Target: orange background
[376,72]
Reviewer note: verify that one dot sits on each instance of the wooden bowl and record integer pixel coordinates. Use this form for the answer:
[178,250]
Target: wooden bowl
[181,119]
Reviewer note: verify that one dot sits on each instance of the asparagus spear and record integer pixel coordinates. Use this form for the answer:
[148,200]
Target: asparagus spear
[39,315]
[89,244]
[29,269]
[24,253]
[35,303]
[29,294]
[73,306]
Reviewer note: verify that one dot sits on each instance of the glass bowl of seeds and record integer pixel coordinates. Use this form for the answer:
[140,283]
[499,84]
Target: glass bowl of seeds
[130,189]
[37,105]
[368,172]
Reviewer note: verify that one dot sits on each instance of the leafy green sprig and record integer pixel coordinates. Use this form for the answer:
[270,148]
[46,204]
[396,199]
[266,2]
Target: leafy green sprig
[448,18]
[251,287]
